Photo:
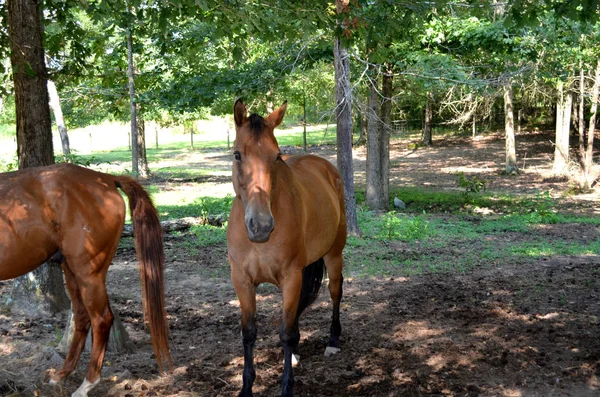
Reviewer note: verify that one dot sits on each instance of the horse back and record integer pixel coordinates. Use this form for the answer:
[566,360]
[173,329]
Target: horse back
[322,192]
[59,207]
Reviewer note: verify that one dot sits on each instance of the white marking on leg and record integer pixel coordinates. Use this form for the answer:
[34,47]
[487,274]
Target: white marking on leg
[330,351]
[85,387]
[53,382]
[295,359]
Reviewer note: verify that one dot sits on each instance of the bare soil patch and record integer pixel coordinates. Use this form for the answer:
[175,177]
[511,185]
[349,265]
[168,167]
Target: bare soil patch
[523,329]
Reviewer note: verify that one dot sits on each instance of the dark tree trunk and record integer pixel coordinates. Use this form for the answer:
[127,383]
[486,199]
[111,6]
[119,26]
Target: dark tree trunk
[34,134]
[344,125]
[41,290]
[427,133]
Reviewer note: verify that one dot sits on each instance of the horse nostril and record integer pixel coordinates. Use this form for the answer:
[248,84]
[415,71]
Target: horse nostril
[252,225]
[260,226]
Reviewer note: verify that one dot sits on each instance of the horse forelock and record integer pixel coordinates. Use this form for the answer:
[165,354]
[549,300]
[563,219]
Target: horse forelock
[257,125]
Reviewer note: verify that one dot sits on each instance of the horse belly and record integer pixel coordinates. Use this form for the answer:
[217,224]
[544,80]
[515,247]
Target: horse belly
[19,256]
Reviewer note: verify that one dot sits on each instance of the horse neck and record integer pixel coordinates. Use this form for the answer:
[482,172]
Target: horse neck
[285,186]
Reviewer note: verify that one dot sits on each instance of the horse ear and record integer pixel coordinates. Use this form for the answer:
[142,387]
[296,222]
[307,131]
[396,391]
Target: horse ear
[239,112]
[277,116]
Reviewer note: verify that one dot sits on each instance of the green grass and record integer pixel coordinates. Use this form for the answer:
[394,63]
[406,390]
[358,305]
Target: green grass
[407,244]
[176,205]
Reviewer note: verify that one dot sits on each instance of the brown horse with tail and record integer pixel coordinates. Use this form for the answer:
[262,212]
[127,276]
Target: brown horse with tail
[77,215]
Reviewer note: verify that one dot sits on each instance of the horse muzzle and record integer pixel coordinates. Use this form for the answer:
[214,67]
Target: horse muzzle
[259,227]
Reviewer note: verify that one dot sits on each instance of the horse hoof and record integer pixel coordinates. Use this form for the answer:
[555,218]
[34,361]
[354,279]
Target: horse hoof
[330,351]
[53,382]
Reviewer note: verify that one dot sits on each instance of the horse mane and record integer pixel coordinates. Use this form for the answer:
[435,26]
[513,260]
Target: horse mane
[257,124]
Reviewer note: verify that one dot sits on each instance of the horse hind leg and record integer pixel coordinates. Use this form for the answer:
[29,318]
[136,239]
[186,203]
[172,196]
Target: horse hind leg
[81,326]
[92,308]
[101,317]
[334,263]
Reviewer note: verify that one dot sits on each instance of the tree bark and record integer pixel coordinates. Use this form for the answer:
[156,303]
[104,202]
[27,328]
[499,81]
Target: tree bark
[142,158]
[40,291]
[581,127]
[587,166]
[373,174]
[58,116]
[427,135]
[378,127]
[386,118]
[135,169]
[30,76]
[509,128]
[304,123]
[563,123]
[344,125]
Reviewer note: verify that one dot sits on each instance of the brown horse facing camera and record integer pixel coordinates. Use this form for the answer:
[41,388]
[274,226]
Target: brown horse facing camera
[286,224]
[77,215]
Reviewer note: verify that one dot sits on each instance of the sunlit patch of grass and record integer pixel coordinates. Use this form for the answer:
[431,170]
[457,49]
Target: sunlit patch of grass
[209,235]
[175,205]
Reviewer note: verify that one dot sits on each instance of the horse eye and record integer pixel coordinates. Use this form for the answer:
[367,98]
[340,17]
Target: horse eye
[237,156]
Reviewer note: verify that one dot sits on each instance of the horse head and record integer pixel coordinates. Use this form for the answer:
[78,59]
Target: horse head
[256,158]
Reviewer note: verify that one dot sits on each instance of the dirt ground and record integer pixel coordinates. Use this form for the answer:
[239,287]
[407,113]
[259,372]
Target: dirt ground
[525,329]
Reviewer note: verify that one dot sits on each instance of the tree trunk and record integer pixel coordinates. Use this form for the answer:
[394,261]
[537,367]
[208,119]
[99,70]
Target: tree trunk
[427,135]
[344,125]
[373,193]
[118,338]
[304,123]
[135,169]
[58,116]
[587,166]
[34,133]
[581,127]
[141,135]
[509,128]
[40,291]
[563,122]
[156,135]
[386,119]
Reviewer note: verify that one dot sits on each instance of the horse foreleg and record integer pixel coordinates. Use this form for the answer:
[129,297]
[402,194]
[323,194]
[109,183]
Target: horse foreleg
[334,264]
[81,324]
[289,333]
[246,293]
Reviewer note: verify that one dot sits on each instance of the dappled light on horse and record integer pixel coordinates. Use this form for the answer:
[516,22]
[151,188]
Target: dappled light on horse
[287,224]
[76,215]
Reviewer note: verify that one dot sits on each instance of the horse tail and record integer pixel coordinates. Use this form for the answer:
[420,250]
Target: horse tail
[148,236]
[312,278]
